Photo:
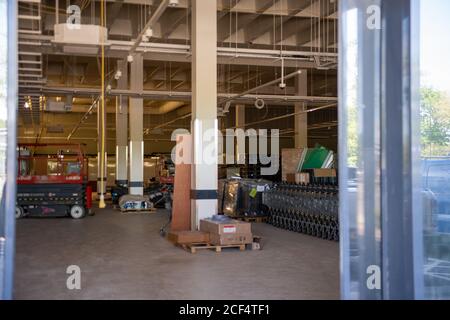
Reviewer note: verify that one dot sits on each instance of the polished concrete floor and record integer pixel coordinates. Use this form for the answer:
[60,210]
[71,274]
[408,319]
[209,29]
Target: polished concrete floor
[124,257]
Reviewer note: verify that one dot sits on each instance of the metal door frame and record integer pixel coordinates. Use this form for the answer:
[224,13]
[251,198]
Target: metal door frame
[9,196]
[387,233]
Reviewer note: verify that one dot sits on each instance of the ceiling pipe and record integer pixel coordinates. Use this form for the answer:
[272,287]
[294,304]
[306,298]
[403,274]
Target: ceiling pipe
[88,138]
[57,12]
[147,131]
[84,118]
[166,107]
[276,81]
[149,109]
[162,125]
[185,50]
[182,48]
[288,115]
[178,95]
[151,22]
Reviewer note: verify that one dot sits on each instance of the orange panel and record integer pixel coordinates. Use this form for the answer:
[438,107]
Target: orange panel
[181,211]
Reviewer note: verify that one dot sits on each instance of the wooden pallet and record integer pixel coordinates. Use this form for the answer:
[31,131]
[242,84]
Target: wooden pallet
[193,247]
[252,219]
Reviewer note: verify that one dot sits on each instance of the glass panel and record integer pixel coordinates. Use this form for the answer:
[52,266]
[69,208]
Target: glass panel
[359,146]
[435,146]
[8,96]
[3,104]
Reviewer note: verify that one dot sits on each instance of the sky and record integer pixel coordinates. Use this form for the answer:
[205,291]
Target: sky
[435,44]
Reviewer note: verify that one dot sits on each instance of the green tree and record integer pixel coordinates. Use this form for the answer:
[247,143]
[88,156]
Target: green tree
[435,123]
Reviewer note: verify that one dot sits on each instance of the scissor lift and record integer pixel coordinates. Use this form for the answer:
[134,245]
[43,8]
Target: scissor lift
[52,181]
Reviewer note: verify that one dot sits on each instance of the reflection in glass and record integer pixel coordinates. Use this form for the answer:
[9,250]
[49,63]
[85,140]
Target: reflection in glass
[435,146]
[359,145]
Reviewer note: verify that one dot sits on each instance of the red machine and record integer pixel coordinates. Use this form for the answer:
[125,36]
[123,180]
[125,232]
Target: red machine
[52,181]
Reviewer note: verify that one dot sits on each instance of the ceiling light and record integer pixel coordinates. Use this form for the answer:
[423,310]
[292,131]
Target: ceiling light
[149,33]
[173,3]
[26,105]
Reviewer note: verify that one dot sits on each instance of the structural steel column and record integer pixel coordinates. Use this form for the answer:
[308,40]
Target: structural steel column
[99,148]
[301,120]
[122,127]
[136,183]
[204,110]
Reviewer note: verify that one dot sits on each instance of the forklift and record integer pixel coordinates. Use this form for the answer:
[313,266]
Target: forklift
[52,181]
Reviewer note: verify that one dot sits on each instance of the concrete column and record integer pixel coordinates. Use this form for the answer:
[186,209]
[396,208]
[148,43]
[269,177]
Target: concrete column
[240,124]
[122,127]
[100,128]
[136,147]
[301,120]
[204,111]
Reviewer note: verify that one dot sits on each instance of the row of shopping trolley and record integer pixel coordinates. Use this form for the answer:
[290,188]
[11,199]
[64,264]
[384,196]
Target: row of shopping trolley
[308,209]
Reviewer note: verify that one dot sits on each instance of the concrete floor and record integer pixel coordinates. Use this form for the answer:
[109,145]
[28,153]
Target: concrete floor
[124,257]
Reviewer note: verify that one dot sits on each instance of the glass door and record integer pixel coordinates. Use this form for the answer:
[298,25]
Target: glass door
[394,114]
[380,198]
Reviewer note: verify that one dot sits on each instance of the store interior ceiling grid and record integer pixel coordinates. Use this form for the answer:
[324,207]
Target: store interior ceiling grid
[253,35]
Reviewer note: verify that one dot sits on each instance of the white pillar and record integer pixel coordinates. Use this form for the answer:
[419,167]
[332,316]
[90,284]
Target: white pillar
[136,147]
[240,124]
[204,110]
[100,129]
[301,120]
[122,127]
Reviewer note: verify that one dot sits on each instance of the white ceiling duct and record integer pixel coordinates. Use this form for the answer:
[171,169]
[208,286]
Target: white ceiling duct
[68,34]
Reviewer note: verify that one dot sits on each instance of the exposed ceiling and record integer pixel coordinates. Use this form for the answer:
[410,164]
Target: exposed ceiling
[255,38]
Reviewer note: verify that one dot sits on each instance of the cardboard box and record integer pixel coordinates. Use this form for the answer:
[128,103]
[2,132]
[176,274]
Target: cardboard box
[299,178]
[290,159]
[230,239]
[185,237]
[302,178]
[290,177]
[228,232]
[324,173]
[229,227]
